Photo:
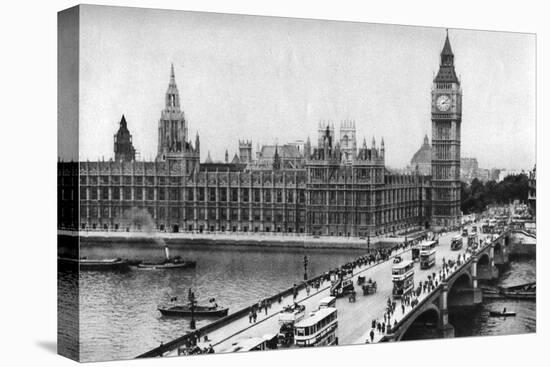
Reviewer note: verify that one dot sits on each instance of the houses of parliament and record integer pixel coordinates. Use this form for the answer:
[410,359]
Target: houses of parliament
[332,187]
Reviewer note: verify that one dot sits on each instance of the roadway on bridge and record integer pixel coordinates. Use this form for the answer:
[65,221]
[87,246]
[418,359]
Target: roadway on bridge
[354,318]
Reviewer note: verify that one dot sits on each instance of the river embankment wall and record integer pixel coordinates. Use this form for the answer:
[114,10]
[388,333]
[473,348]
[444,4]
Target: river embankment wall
[234,240]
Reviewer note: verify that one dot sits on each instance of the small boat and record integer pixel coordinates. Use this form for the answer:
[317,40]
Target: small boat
[95,264]
[199,311]
[175,262]
[501,313]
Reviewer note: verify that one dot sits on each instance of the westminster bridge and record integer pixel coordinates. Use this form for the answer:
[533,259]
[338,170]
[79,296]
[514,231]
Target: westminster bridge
[453,285]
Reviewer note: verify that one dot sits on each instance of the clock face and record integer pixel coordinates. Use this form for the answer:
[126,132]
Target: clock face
[443,103]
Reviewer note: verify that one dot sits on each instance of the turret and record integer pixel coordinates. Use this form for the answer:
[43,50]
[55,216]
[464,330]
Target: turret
[276,159]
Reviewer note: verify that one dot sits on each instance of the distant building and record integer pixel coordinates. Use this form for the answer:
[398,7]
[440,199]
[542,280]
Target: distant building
[422,159]
[483,174]
[493,174]
[469,169]
[348,142]
[123,147]
[287,156]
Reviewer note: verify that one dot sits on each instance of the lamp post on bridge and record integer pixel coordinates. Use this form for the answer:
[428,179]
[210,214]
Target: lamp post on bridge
[192,303]
[306,262]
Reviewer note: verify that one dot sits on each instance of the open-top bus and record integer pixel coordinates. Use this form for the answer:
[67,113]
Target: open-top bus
[403,278]
[427,254]
[317,330]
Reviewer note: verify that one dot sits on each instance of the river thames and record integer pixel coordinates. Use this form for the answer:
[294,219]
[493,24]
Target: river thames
[119,317]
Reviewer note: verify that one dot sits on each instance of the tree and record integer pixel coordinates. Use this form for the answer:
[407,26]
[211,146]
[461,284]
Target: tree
[477,195]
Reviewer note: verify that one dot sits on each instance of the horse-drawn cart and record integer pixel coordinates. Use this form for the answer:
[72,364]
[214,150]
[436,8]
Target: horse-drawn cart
[369,288]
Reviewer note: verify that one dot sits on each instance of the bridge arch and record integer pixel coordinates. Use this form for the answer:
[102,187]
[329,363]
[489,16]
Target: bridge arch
[464,280]
[483,260]
[460,290]
[427,321]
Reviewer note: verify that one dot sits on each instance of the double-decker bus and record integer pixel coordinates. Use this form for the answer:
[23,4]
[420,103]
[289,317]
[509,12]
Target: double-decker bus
[456,243]
[427,254]
[317,330]
[472,239]
[403,278]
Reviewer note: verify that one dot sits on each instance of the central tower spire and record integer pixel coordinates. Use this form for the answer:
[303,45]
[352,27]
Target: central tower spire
[172,131]
[172,94]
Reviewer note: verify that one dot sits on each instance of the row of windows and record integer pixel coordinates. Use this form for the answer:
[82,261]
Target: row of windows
[362,174]
[190,227]
[386,216]
[316,217]
[245,195]
[202,213]
[127,180]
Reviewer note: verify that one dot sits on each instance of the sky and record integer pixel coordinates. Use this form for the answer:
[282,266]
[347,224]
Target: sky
[271,80]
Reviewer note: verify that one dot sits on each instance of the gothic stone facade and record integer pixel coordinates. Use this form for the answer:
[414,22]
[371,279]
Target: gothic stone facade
[338,191]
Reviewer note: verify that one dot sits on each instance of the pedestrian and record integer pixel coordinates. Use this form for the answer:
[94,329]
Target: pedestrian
[250,317]
[403,309]
[372,335]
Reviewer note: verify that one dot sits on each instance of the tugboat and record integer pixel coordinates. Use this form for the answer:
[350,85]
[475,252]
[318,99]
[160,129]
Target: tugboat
[175,262]
[95,264]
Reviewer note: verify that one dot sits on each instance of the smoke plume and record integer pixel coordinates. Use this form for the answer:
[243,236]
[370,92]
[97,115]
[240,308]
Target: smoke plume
[137,217]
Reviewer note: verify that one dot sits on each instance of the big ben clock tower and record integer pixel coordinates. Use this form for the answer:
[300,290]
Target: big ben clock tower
[446,120]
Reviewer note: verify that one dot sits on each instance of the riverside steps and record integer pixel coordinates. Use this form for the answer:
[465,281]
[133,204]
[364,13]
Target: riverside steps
[454,286]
